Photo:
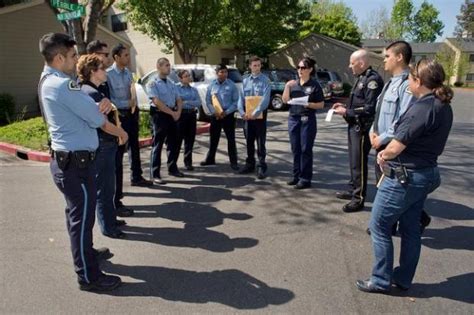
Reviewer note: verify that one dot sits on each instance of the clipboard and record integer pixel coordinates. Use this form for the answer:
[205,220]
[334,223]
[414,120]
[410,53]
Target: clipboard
[216,104]
[133,98]
[117,122]
[251,103]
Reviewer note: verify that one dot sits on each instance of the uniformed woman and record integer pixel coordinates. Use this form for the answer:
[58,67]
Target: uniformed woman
[302,121]
[409,165]
[187,120]
[91,73]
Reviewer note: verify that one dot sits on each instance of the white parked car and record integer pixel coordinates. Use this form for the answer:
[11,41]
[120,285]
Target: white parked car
[201,74]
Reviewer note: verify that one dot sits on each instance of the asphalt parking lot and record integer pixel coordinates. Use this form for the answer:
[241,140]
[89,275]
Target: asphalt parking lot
[218,242]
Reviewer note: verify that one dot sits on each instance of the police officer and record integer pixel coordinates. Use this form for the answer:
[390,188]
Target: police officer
[228,95]
[165,111]
[72,118]
[302,121]
[255,123]
[409,163]
[359,115]
[392,103]
[101,49]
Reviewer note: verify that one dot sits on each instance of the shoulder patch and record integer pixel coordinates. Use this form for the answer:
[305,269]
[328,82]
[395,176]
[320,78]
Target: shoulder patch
[73,86]
[372,85]
[407,90]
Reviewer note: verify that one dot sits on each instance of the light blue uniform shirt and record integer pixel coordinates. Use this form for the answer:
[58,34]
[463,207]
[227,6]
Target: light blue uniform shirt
[226,92]
[119,82]
[166,92]
[189,95]
[72,116]
[395,102]
[255,86]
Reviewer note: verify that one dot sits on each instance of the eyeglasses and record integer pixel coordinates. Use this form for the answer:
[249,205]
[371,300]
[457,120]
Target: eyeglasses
[301,68]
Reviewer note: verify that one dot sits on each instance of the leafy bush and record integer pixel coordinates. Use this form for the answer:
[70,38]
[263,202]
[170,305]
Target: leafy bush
[347,89]
[7,108]
[144,124]
[29,133]
[458,84]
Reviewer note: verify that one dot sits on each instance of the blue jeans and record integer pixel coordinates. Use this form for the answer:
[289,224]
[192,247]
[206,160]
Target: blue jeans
[105,207]
[395,202]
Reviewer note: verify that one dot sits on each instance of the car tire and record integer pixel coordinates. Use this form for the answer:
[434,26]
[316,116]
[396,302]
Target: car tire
[277,103]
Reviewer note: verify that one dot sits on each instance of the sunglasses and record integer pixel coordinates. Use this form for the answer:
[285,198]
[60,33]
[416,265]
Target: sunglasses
[301,68]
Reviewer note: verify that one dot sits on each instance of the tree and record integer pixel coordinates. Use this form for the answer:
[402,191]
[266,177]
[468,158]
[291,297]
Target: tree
[401,19]
[447,58]
[377,24]
[465,26]
[333,19]
[186,25]
[260,27]
[426,26]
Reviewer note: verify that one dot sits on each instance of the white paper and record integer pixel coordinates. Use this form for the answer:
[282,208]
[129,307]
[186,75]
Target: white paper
[329,115]
[301,101]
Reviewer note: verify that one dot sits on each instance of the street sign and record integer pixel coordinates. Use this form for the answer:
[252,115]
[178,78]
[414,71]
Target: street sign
[72,15]
[66,5]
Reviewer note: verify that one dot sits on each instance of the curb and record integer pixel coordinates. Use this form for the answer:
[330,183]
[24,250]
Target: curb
[38,156]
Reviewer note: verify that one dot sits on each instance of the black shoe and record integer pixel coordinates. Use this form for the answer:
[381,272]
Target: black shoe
[261,174]
[189,167]
[103,283]
[206,162]
[117,234]
[158,181]
[234,167]
[293,182]
[102,253]
[176,174]
[400,286]
[353,206]
[368,286]
[247,169]
[124,212]
[302,185]
[142,182]
[425,221]
[346,195]
[120,222]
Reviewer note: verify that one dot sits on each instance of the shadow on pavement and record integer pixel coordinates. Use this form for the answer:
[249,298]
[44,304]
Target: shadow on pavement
[230,287]
[453,237]
[458,288]
[448,210]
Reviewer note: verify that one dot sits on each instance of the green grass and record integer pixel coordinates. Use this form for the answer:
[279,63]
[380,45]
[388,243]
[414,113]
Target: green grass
[32,134]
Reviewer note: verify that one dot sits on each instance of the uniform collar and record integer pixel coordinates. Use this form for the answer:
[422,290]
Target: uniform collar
[253,77]
[401,74]
[51,70]
[117,69]
[221,83]
[366,71]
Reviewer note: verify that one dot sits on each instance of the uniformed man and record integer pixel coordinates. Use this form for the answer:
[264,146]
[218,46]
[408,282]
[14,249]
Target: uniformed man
[255,123]
[72,118]
[359,114]
[393,102]
[165,111]
[227,93]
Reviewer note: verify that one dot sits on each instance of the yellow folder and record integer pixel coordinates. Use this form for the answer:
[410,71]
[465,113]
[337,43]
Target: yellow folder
[216,104]
[251,103]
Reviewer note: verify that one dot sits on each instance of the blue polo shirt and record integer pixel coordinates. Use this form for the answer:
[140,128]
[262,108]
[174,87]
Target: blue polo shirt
[164,90]
[71,115]
[226,92]
[189,96]
[258,85]
[119,82]
[310,88]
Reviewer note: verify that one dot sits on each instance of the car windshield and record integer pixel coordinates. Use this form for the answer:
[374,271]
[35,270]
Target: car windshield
[234,75]
[336,76]
[323,76]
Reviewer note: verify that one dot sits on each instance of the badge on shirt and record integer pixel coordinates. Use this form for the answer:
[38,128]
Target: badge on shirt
[372,85]
[360,86]
[408,90]
[73,86]
[309,90]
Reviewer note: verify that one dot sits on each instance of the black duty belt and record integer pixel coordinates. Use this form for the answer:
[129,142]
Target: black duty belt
[80,159]
[188,111]
[125,112]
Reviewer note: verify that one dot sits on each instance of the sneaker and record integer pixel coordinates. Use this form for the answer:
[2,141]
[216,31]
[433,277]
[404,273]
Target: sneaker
[103,283]
[353,206]
[302,185]
[142,182]
[158,181]
[176,174]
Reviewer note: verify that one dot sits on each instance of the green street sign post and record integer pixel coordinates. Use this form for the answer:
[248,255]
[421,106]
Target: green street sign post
[76,10]
[66,5]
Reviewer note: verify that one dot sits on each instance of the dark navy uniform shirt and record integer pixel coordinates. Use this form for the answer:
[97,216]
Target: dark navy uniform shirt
[310,88]
[424,129]
[363,99]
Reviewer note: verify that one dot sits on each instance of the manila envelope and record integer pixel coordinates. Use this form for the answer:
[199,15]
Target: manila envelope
[251,103]
[216,104]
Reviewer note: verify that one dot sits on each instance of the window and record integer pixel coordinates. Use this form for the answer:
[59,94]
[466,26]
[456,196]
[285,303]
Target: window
[470,77]
[471,58]
[198,75]
[119,22]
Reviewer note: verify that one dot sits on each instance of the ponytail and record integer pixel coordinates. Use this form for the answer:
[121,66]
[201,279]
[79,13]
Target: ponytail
[444,93]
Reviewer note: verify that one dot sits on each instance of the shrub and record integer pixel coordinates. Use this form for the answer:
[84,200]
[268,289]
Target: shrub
[7,108]
[458,84]
[347,89]
[144,124]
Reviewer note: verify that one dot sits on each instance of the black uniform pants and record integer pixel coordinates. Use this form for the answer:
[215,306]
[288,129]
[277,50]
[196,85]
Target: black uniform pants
[359,148]
[256,131]
[228,124]
[130,125]
[79,189]
[187,133]
[165,129]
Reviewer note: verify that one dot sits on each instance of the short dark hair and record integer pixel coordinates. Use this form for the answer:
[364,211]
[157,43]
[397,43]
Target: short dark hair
[182,72]
[95,46]
[309,63]
[254,58]
[117,50]
[52,44]
[403,48]
[221,67]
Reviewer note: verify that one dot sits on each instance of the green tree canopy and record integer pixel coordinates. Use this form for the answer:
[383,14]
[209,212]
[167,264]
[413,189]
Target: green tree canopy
[426,26]
[333,19]
[465,25]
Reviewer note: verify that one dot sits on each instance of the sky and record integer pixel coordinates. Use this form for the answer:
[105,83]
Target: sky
[448,10]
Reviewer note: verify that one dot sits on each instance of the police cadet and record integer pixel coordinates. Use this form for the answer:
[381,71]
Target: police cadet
[359,115]
[302,121]
[165,111]
[119,79]
[72,118]
[255,123]
[101,49]
[228,96]
[392,103]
